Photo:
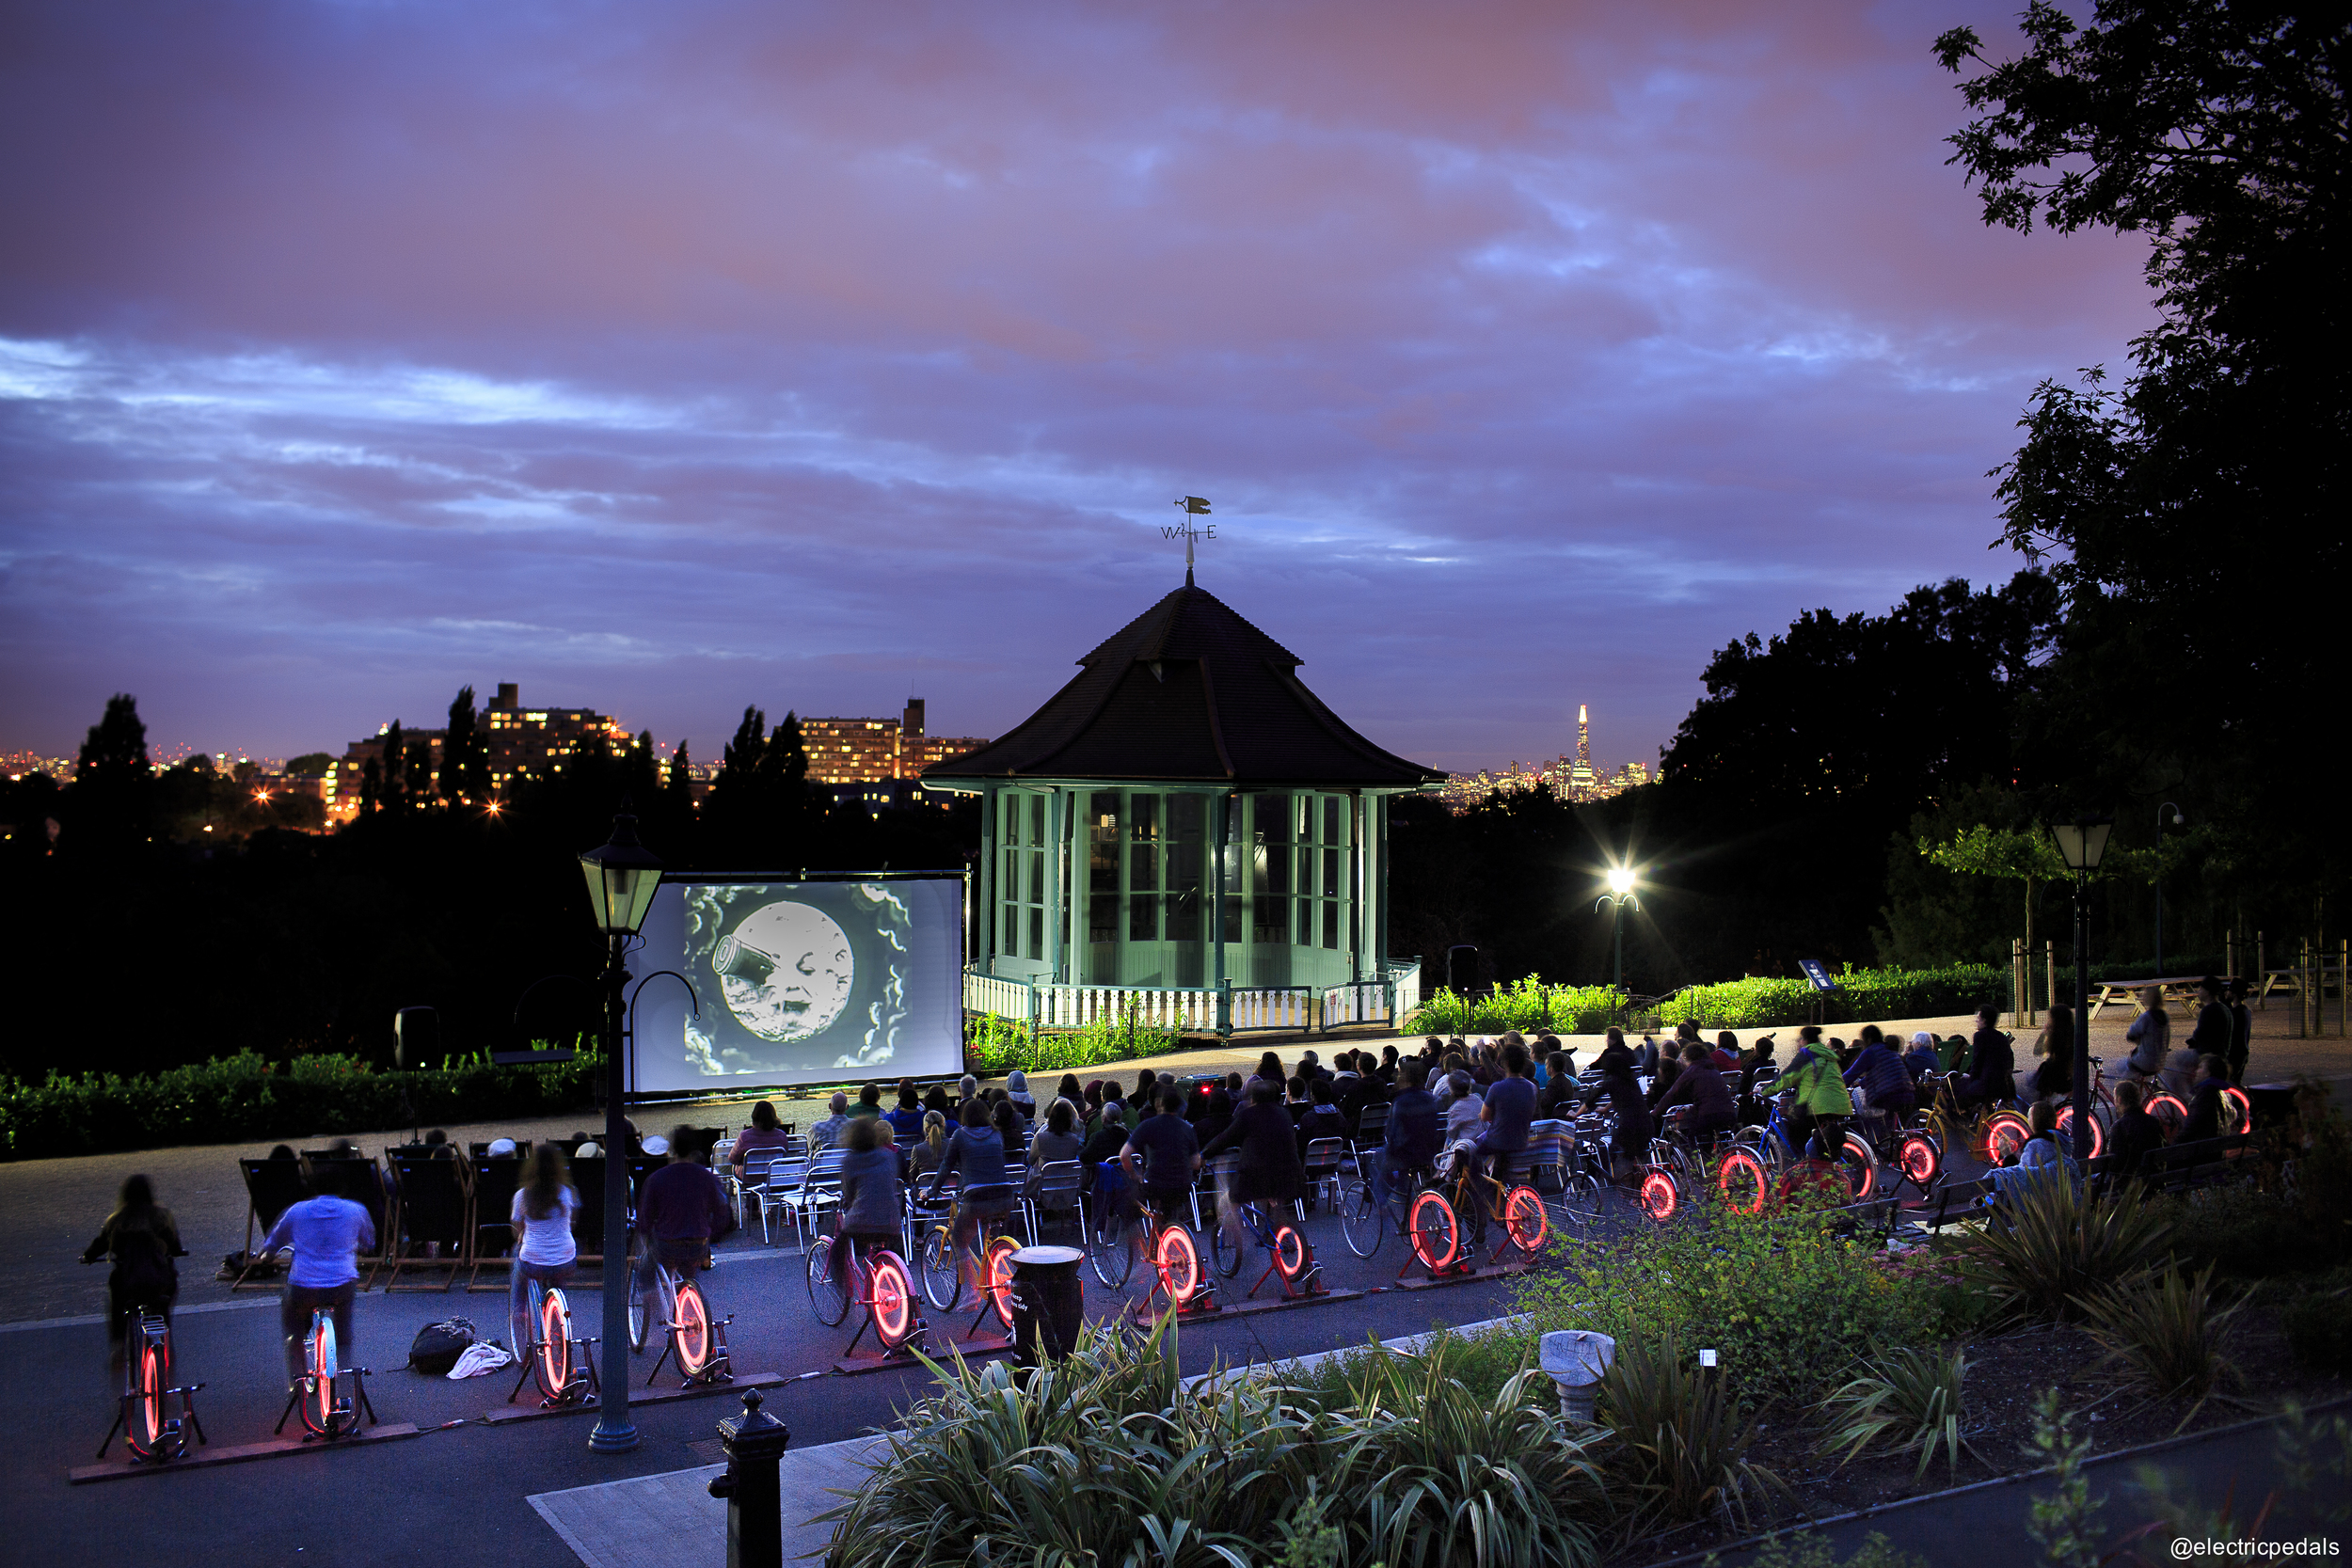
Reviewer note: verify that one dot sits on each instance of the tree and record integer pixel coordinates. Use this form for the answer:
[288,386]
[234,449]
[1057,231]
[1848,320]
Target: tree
[680,786]
[2193,516]
[465,756]
[113,782]
[391,790]
[310,765]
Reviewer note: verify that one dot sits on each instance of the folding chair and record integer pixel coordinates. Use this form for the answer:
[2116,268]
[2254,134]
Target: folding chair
[820,1190]
[434,1207]
[768,1176]
[1323,1170]
[588,1223]
[1058,1184]
[271,1188]
[1371,1126]
[495,1182]
[1543,1163]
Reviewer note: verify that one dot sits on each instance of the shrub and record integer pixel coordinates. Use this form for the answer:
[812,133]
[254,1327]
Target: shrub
[994,1046]
[1683,1440]
[2056,1243]
[2319,1329]
[1098,1459]
[1935,1279]
[1862,994]
[2239,1231]
[1806,1549]
[2167,1330]
[1908,1399]
[245,1099]
[1530,1005]
[1783,1301]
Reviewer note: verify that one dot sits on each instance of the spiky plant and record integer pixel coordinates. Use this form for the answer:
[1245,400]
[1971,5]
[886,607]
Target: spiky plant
[1909,1401]
[2056,1243]
[2167,1330]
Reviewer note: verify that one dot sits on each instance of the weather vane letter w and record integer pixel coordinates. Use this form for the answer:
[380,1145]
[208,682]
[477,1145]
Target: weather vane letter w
[1195,506]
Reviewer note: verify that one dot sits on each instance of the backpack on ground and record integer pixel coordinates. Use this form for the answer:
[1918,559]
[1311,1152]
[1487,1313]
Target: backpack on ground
[438,1346]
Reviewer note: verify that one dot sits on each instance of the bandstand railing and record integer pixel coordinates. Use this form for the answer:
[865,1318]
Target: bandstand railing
[1222,1010]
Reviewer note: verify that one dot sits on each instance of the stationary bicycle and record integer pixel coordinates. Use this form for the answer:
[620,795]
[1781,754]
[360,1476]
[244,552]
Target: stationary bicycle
[1288,1253]
[880,1281]
[1117,1233]
[692,1335]
[154,1431]
[544,1342]
[327,1414]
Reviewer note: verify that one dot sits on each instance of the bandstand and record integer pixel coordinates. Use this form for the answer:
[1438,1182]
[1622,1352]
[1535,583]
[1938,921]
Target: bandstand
[1185,833]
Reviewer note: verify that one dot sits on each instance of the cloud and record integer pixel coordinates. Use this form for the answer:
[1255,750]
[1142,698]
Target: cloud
[671,359]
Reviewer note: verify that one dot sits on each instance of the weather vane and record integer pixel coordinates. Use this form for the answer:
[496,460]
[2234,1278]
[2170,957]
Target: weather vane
[1195,506]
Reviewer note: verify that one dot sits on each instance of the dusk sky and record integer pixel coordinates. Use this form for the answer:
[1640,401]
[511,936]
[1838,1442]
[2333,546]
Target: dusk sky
[666,358]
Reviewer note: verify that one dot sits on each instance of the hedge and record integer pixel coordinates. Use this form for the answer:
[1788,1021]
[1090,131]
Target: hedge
[245,1099]
[1530,1005]
[994,1046]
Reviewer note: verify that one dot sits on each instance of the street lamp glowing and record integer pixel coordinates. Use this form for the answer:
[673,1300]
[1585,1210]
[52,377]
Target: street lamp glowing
[1620,880]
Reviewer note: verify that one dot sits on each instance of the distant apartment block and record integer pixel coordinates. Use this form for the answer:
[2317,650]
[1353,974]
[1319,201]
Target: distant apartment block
[869,750]
[528,743]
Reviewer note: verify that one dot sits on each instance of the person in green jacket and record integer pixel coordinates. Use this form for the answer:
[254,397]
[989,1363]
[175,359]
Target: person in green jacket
[1816,1091]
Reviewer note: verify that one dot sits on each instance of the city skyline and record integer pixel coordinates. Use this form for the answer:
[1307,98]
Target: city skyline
[755,355]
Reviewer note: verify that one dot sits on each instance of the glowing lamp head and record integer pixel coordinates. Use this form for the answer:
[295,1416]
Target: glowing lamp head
[1620,880]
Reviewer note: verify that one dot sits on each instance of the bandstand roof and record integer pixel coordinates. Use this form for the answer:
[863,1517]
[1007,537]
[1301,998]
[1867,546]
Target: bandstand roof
[1188,691]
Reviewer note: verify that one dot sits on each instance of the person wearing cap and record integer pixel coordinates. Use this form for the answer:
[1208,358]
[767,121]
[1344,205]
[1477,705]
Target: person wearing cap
[680,1211]
[828,1132]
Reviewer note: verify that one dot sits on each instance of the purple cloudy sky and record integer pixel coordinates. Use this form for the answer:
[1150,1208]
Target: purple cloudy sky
[665,358]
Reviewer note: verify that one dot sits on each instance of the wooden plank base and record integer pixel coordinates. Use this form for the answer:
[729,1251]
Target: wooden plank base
[518,1410]
[205,1458]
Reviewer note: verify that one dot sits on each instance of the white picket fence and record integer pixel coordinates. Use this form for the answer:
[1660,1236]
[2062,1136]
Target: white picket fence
[1197,1008]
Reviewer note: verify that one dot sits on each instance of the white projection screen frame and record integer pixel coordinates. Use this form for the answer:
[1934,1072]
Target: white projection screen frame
[820,981]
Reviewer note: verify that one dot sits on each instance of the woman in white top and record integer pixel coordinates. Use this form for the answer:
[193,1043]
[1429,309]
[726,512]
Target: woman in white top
[543,1249]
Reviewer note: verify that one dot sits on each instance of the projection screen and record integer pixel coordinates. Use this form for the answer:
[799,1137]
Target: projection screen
[799,981]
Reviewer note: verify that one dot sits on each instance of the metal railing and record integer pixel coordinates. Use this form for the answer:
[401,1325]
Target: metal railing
[1047,1005]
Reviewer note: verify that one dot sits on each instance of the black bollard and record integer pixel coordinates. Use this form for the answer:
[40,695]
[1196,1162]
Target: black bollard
[755,1442]
[1048,1307]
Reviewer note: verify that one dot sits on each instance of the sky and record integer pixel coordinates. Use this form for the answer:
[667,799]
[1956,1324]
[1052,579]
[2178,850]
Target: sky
[668,358]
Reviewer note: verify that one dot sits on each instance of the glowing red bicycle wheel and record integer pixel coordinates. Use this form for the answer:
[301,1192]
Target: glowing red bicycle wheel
[693,1329]
[1437,1235]
[1524,1219]
[893,1290]
[2171,1114]
[1178,1262]
[1660,1196]
[2238,1112]
[318,1406]
[1861,1165]
[155,1377]
[2066,1132]
[1920,1159]
[1741,1181]
[554,1364]
[999,1266]
[1290,1253]
[2004,1133]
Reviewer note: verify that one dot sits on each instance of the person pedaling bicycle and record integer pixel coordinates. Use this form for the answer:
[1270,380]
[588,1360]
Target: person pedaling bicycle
[1880,1074]
[142,1241]
[1815,1092]
[2151,1036]
[1504,1120]
[1270,1174]
[1162,1156]
[975,1157]
[1414,1134]
[541,1217]
[1712,1113]
[327,1232]
[871,1205]
[1631,1143]
[1991,1078]
[2208,1116]
[681,1209]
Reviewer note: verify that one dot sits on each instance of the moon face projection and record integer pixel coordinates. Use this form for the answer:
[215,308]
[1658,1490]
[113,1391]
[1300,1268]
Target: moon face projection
[787,971]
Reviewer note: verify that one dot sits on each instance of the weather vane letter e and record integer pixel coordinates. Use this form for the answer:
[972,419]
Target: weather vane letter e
[1195,506]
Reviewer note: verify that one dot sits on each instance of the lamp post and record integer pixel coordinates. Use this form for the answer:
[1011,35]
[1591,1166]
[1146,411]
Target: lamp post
[2166,812]
[622,875]
[2080,844]
[1620,894]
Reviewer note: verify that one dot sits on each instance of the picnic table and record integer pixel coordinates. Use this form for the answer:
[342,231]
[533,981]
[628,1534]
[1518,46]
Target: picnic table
[2173,987]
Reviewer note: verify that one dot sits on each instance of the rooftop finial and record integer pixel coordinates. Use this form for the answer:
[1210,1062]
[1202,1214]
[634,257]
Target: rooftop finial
[1195,506]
